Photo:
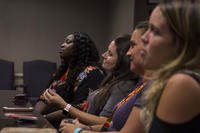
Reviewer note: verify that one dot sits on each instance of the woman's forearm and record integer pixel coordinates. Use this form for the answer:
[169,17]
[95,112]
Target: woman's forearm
[86,118]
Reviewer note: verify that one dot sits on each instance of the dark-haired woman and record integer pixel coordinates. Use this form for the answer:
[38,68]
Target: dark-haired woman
[118,84]
[78,74]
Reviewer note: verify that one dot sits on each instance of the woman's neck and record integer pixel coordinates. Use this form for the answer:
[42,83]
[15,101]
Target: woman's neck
[149,75]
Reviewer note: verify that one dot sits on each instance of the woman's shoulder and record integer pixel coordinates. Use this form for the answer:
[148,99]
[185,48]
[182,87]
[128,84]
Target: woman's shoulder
[180,97]
[124,83]
[183,82]
[123,87]
[91,72]
[193,74]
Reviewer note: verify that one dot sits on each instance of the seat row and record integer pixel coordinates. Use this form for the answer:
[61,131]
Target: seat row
[36,74]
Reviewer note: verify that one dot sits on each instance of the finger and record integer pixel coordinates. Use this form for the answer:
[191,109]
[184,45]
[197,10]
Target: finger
[48,95]
[46,98]
[63,123]
[44,94]
[76,121]
[61,129]
[52,92]
[42,97]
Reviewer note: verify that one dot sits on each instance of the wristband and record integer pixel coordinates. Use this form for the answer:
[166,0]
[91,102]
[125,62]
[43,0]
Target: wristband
[66,109]
[78,130]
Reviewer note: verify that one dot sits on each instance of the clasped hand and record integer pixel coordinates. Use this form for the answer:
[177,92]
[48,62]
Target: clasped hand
[52,97]
[69,127]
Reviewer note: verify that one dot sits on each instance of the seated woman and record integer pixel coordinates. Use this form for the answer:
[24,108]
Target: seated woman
[118,84]
[130,105]
[172,47]
[78,74]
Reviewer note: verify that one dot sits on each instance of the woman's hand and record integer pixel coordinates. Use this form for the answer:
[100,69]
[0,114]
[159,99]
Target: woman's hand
[66,127]
[42,96]
[54,98]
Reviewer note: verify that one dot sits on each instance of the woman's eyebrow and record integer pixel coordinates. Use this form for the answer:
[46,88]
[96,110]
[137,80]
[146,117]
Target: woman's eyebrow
[132,43]
[153,27]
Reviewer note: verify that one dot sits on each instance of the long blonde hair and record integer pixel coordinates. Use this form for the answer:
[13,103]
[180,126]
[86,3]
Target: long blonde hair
[183,19]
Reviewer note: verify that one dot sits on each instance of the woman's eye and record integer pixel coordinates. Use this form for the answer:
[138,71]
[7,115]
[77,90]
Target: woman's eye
[154,30]
[68,41]
[109,54]
[132,44]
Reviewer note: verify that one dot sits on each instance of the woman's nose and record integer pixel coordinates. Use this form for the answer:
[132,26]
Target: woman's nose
[104,55]
[129,51]
[144,38]
[62,45]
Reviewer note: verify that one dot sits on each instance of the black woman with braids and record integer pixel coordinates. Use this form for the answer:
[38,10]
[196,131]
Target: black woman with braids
[78,74]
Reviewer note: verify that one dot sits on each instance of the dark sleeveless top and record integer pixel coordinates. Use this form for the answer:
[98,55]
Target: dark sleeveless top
[192,126]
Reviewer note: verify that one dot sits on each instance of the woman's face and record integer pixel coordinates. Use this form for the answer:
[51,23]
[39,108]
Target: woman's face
[136,59]
[110,57]
[159,48]
[66,47]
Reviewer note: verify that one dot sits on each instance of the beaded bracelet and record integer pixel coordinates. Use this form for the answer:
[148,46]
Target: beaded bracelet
[78,130]
[66,109]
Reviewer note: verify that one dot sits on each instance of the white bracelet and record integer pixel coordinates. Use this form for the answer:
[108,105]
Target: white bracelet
[68,106]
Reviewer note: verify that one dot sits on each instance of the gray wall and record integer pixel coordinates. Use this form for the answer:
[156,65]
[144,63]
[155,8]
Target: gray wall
[34,29]
[142,10]
[121,17]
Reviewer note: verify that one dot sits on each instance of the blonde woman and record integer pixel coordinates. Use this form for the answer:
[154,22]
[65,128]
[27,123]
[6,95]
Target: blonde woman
[172,47]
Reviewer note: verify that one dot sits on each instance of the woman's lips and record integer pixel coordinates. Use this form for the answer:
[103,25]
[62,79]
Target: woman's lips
[61,51]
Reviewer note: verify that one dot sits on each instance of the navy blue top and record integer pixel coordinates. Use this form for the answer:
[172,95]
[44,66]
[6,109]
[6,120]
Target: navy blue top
[121,114]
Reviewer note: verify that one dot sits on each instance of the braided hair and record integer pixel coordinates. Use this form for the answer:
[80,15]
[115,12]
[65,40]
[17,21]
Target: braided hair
[84,54]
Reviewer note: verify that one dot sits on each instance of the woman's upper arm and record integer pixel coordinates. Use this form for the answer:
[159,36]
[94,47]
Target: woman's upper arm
[133,123]
[110,103]
[180,99]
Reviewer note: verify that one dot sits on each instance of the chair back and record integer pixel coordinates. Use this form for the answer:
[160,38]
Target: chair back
[6,75]
[36,75]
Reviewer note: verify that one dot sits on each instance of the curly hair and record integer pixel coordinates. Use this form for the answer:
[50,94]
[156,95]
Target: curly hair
[84,54]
